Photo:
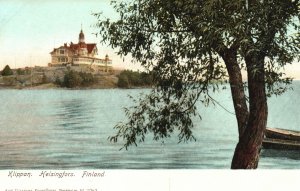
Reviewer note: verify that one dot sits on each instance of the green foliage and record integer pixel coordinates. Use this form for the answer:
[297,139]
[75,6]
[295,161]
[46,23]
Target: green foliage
[58,82]
[28,71]
[87,78]
[20,71]
[74,79]
[7,71]
[123,81]
[44,79]
[128,79]
[182,43]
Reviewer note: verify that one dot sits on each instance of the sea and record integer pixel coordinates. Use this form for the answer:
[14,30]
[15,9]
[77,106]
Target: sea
[69,129]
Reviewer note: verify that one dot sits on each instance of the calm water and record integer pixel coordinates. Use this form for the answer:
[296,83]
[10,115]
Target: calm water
[68,129]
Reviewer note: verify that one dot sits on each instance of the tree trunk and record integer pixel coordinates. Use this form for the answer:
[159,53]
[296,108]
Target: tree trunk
[237,89]
[246,155]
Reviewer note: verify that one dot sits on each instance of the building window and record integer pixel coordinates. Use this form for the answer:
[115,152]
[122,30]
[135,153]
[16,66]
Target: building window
[61,51]
[62,59]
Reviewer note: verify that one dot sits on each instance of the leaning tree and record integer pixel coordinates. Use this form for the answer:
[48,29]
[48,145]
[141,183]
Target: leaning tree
[192,46]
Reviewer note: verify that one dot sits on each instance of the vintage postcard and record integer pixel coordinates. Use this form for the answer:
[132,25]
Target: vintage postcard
[148,94]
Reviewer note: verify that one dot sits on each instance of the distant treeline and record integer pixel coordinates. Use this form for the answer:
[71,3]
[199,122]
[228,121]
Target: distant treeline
[131,79]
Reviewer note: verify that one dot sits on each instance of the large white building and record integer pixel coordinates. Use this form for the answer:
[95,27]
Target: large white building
[81,54]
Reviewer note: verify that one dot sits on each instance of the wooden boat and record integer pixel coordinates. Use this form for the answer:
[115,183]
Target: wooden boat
[282,134]
[283,139]
[281,144]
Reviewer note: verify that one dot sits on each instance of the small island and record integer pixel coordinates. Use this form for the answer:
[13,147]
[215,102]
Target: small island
[70,77]
[74,65]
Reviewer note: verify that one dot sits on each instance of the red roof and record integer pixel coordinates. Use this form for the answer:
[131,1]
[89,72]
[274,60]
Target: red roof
[74,46]
[90,47]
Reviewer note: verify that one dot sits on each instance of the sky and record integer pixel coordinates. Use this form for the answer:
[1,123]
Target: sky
[30,29]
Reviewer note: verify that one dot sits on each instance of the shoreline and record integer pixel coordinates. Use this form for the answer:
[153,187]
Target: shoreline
[61,78]
[53,86]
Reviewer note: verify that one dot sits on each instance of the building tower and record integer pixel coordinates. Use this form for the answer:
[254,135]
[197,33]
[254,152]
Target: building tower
[81,44]
[81,37]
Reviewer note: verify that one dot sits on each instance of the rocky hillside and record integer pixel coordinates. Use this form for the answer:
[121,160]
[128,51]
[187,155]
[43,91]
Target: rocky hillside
[48,77]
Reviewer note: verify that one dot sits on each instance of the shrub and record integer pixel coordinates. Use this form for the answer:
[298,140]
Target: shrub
[87,78]
[128,78]
[123,81]
[20,71]
[7,71]
[72,79]
[77,79]
[58,81]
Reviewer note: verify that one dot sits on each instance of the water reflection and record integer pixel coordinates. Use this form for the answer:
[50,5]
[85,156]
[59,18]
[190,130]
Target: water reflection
[273,153]
[74,113]
[60,129]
